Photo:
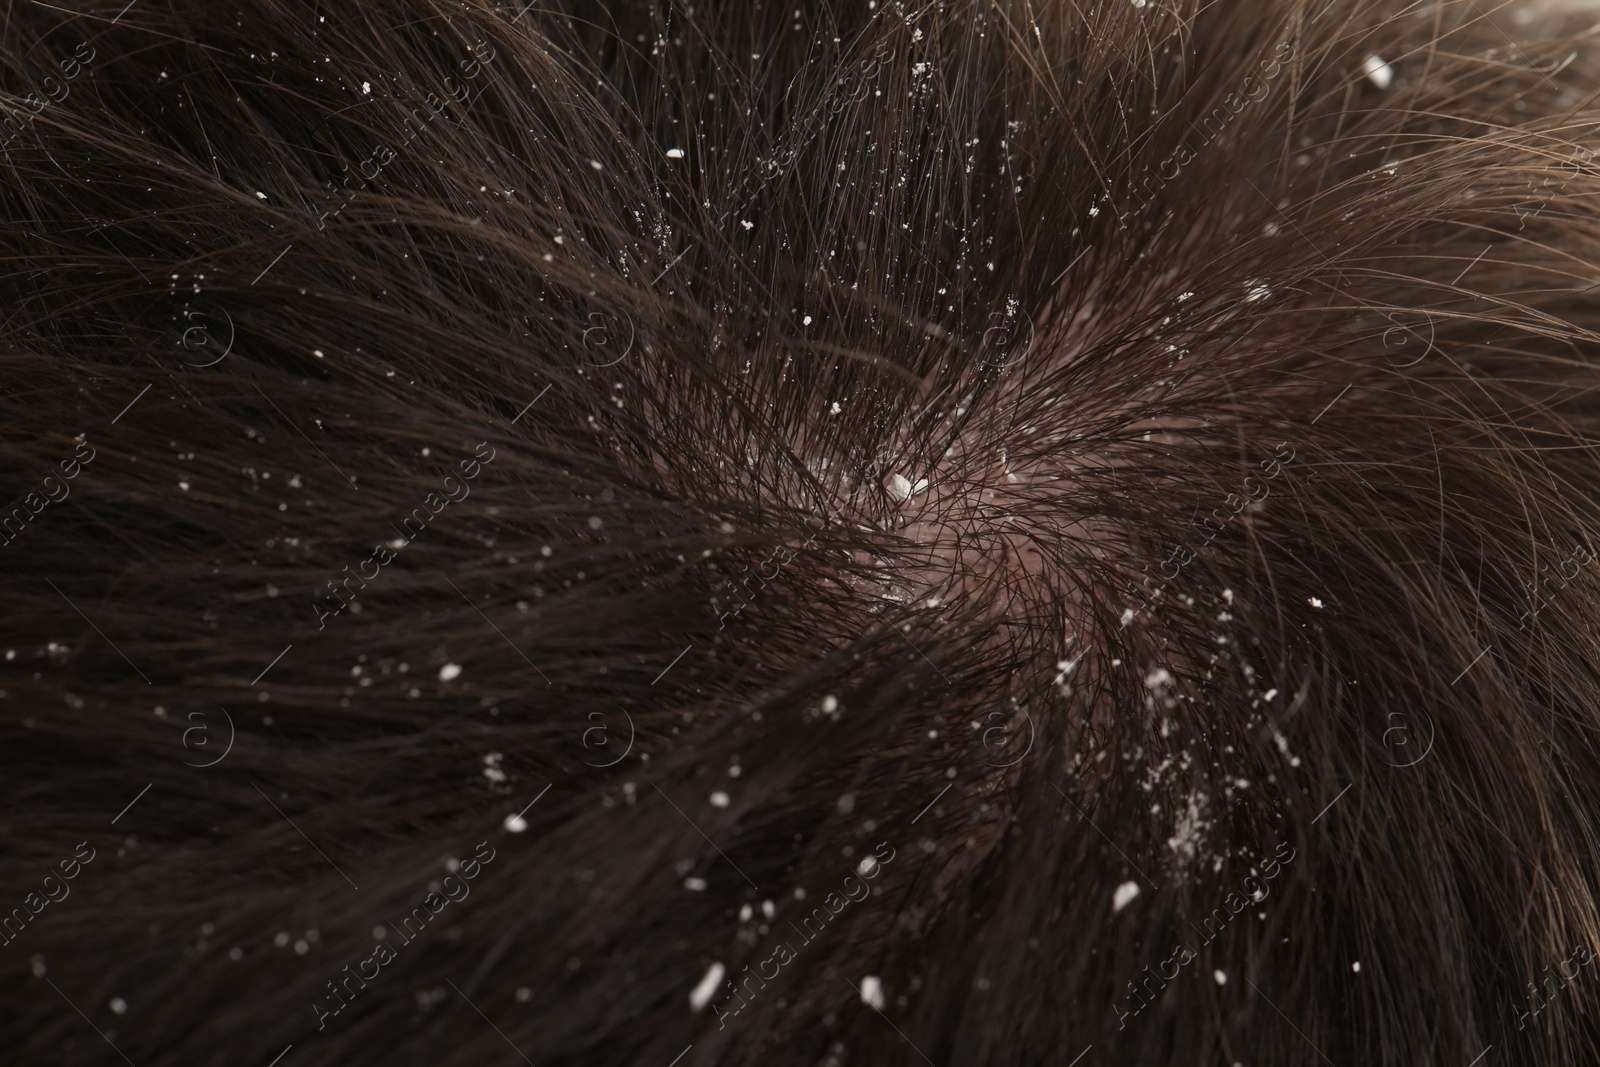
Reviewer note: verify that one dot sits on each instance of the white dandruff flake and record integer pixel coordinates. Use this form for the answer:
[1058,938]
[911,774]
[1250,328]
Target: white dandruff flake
[872,992]
[719,799]
[1124,895]
[491,769]
[1220,976]
[830,704]
[1356,966]
[596,164]
[695,885]
[674,153]
[1314,601]
[366,87]
[449,672]
[1378,72]
[516,823]
[700,995]
[1158,678]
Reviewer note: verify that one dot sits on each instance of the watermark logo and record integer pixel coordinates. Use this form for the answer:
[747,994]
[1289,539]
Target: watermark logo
[203,730]
[1408,339]
[596,738]
[1408,739]
[1005,741]
[1008,339]
[205,334]
[608,338]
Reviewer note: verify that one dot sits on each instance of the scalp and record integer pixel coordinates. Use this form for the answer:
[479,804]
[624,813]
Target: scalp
[1051,445]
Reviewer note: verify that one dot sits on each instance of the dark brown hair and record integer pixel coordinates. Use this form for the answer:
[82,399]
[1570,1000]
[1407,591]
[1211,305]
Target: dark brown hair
[730,532]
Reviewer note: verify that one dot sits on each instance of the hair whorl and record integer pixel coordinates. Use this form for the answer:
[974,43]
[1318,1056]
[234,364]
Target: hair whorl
[966,532]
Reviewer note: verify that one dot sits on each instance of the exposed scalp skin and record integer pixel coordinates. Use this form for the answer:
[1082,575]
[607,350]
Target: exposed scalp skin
[1298,399]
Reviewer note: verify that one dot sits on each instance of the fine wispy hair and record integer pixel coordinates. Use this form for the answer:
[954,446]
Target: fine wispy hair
[968,532]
